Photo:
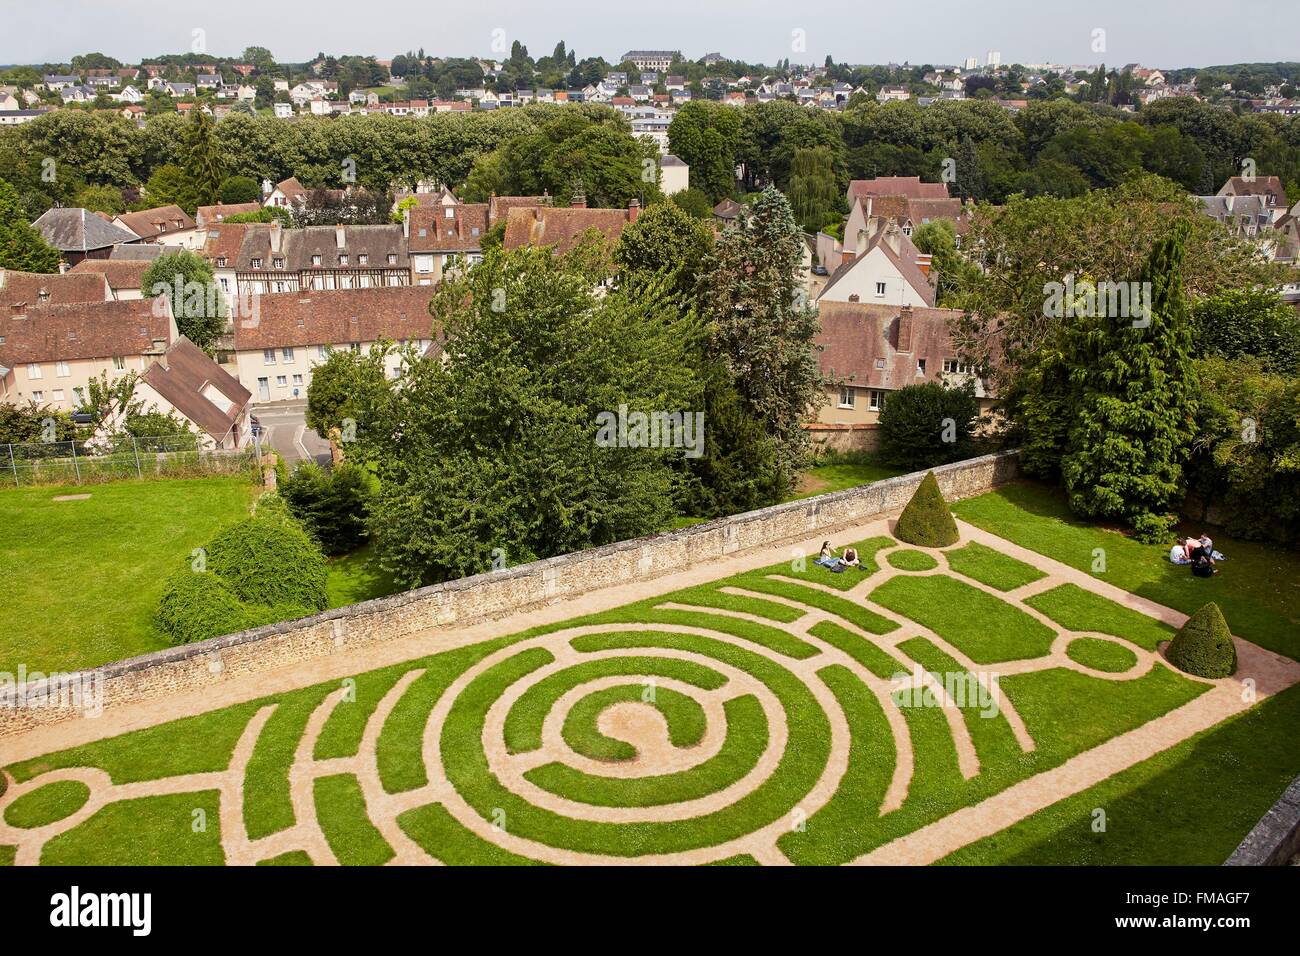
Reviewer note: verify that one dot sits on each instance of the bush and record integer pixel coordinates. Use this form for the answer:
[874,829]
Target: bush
[926,425]
[1203,646]
[332,506]
[198,605]
[926,521]
[275,563]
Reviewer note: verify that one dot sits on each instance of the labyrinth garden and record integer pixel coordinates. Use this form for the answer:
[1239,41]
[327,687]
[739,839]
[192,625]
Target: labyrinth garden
[787,714]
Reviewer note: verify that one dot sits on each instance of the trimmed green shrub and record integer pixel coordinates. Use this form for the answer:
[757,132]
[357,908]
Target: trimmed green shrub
[332,506]
[927,424]
[270,562]
[926,521]
[1203,646]
[196,605]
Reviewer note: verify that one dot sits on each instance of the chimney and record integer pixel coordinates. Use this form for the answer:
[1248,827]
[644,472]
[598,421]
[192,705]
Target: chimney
[340,239]
[277,236]
[905,329]
[894,238]
[633,210]
[864,240]
[923,263]
[579,201]
[267,188]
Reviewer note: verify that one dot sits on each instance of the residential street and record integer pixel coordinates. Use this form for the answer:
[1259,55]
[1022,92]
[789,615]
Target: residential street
[284,428]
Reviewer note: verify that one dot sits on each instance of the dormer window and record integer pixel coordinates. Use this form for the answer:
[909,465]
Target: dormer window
[315,260]
[221,262]
[256,263]
[363,260]
[392,258]
[278,262]
[343,259]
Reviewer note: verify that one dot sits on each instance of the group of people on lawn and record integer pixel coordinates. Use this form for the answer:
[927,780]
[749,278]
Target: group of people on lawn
[838,563]
[1197,552]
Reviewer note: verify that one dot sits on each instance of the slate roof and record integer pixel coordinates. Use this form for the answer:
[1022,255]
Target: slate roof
[184,375]
[79,230]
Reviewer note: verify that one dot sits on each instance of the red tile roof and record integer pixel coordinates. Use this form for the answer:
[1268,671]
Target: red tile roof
[82,330]
[560,228]
[209,215]
[909,186]
[120,273]
[187,378]
[336,317]
[854,336]
[34,288]
[458,228]
[148,223]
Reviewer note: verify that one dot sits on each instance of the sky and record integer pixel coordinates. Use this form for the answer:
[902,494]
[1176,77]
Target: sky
[1159,33]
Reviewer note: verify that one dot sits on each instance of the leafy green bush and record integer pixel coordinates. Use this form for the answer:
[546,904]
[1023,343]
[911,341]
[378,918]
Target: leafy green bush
[270,562]
[926,521]
[197,605]
[926,425]
[331,505]
[1203,646]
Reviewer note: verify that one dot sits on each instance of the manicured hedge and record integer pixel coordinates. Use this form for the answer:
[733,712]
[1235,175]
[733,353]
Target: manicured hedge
[1203,646]
[926,521]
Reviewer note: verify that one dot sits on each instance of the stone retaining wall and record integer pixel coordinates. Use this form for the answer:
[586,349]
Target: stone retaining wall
[1276,838]
[191,667]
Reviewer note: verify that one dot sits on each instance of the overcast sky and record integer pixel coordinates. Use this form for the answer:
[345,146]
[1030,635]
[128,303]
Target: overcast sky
[1163,33]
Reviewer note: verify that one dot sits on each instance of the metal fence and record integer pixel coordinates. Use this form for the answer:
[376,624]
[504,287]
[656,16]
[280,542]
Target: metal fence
[127,456]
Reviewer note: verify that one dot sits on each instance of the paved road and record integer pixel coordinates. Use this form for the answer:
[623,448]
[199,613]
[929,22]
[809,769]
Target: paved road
[284,428]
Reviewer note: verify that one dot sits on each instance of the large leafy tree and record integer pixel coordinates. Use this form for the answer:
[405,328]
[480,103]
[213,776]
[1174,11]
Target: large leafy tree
[761,327]
[1113,401]
[706,136]
[489,451]
[815,195]
[665,240]
[1254,322]
[187,279]
[22,247]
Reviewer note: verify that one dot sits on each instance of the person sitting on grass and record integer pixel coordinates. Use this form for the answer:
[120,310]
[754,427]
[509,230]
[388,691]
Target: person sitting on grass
[827,558]
[1178,553]
[1203,562]
[850,558]
[1208,545]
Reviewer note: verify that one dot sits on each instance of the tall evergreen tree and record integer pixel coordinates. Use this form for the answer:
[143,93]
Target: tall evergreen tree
[205,163]
[760,324]
[22,247]
[1130,403]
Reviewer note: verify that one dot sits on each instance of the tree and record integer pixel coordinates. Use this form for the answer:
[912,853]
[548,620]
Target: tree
[665,241]
[331,505]
[761,328]
[1203,645]
[101,199]
[205,161]
[927,521]
[21,247]
[1113,402]
[171,185]
[952,271]
[347,392]
[814,193]
[706,136]
[187,279]
[1254,322]
[927,424]
[500,452]
[240,189]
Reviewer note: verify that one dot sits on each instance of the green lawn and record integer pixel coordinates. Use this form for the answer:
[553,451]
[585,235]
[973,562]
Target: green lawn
[82,578]
[1191,804]
[837,475]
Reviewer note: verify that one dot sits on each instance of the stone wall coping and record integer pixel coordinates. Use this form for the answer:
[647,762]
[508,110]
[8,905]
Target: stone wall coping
[1276,837]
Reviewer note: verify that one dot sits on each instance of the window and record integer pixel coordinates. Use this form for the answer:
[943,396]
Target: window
[450,212]
[61,369]
[297,380]
[363,260]
[281,381]
[225,284]
[846,396]
[278,262]
[880,288]
[875,400]
[221,262]
[268,356]
[343,259]
[392,258]
[58,394]
[880,363]
[286,353]
[322,352]
[256,263]
[956,366]
[920,366]
[79,394]
[38,396]
[119,363]
[315,260]
[33,371]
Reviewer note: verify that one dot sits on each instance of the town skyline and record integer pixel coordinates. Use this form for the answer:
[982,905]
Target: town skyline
[1159,34]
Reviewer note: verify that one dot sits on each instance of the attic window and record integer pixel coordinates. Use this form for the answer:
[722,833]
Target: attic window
[256,263]
[278,262]
[363,260]
[221,262]
[392,258]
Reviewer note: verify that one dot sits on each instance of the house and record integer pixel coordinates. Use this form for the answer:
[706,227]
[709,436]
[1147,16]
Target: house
[80,234]
[881,267]
[889,94]
[674,175]
[562,229]
[868,351]
[208,81]
[129,94]
[285,194]
[9,102]
[659,60]
[727,212]
[282,110]
[206,216]
[908,186]
[18,117]
[54,82]
[40,288]
[255,258]
[294,332]
[125,277]
[439,237]
[166,225]
[183,380]
[76,94]
[180,89]
[1269,187]
[870,212]
[49,352]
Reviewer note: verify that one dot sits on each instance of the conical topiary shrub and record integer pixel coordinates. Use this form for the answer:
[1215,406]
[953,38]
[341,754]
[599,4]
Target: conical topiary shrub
[926,521]
[1203,646]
